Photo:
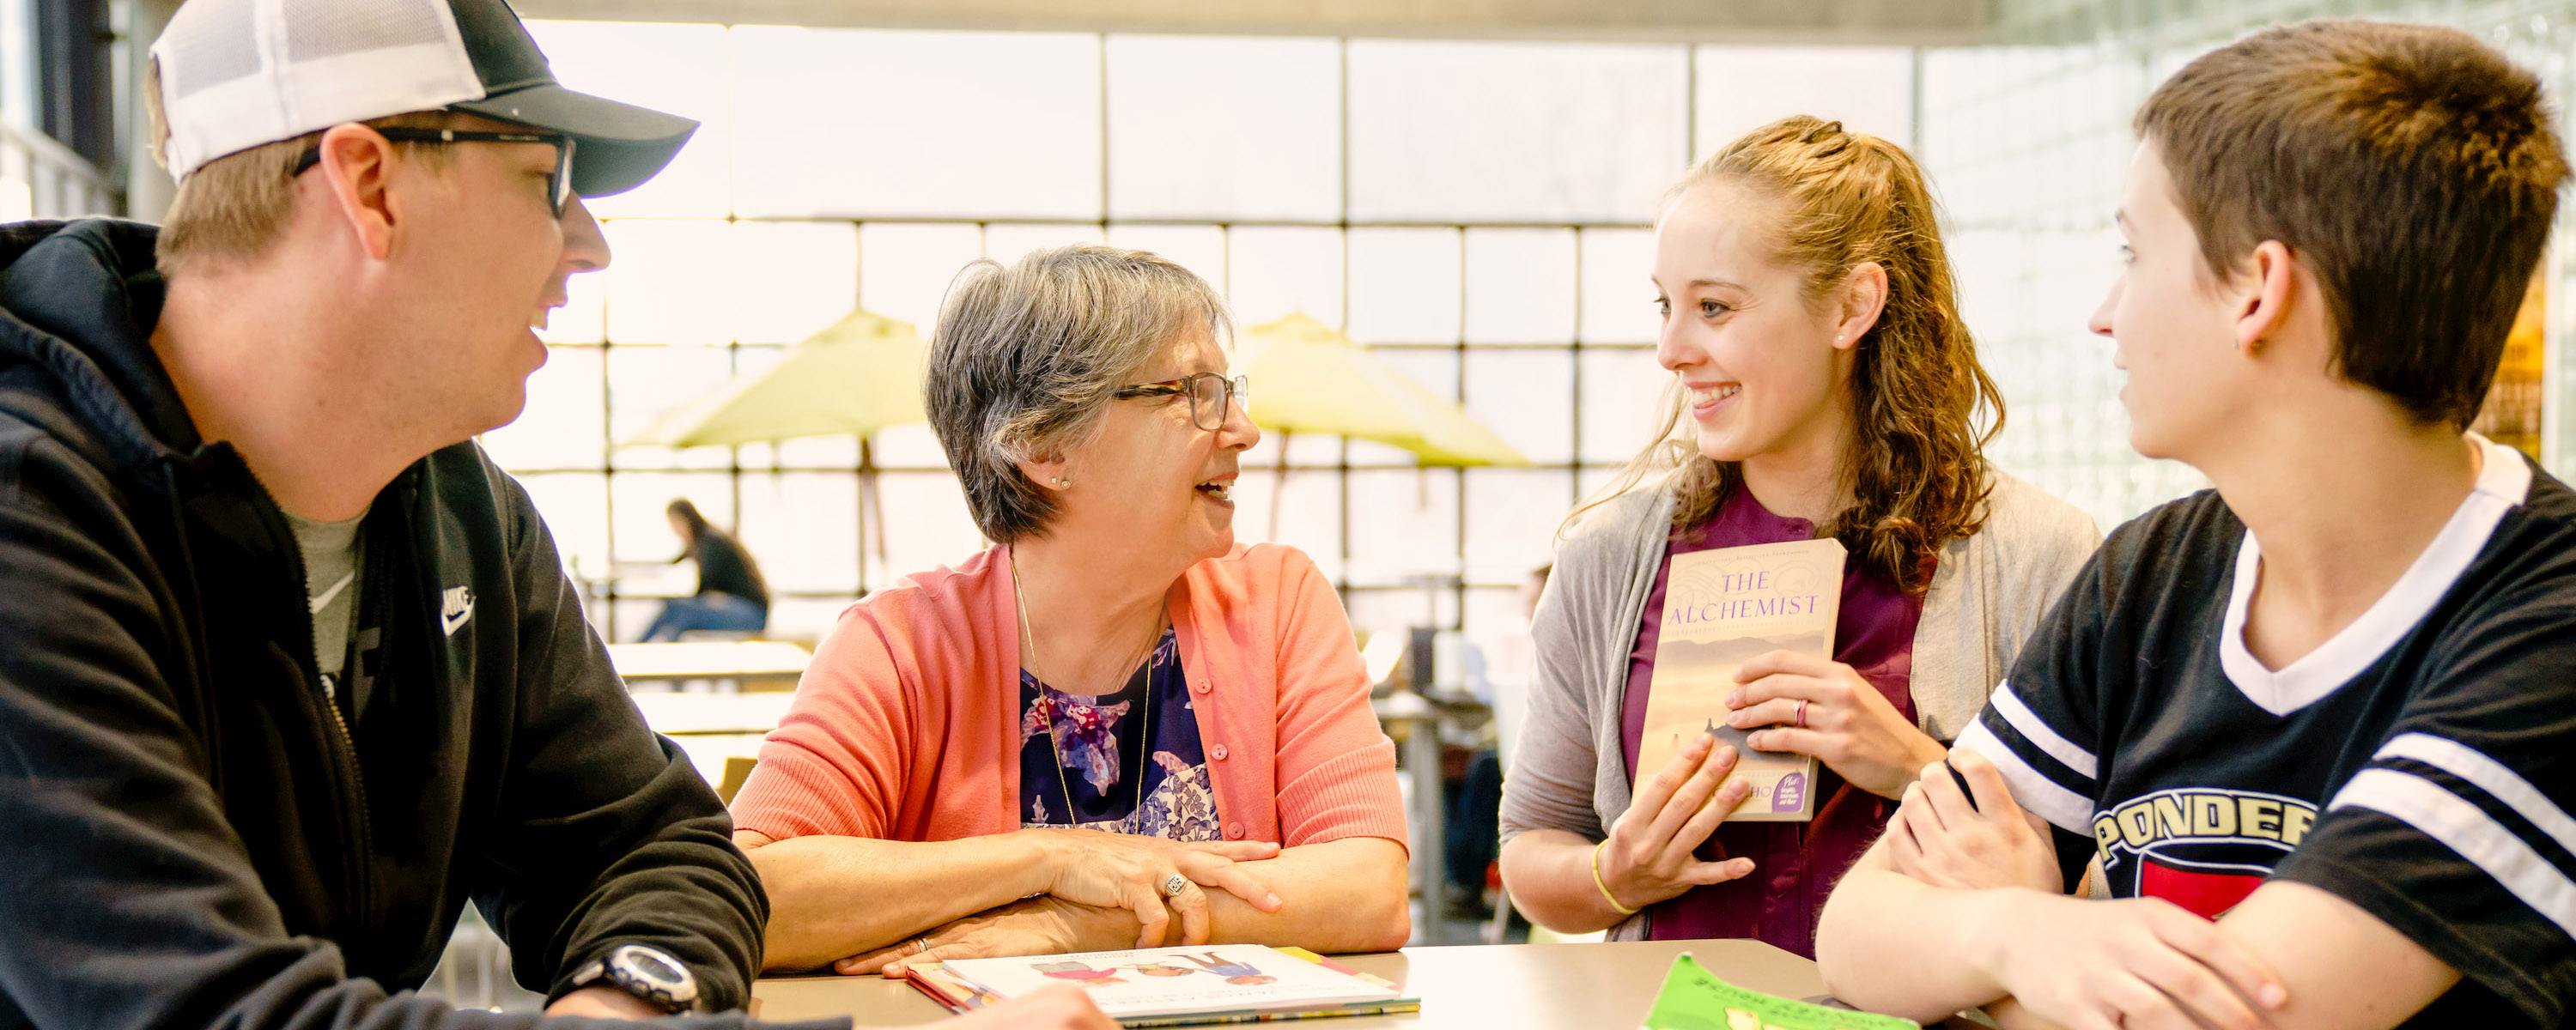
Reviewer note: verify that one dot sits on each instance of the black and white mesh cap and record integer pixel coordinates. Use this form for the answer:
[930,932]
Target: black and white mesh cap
[239,73]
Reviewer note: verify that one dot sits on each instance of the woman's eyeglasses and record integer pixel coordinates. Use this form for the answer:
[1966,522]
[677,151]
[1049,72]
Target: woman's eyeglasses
[1211,395]
[558,188]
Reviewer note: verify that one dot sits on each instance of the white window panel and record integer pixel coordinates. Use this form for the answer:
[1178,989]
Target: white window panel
[669,282]
[865,122]
[680,69]
[905,268]
[1011,241]
[927,525]
[1623,391]
[1405,285]
[1224,129]
[1199,248]
[1512,515]
[562,425]
[1475,131]
[1520,286]
[1521,395]
[1618,294]
[1404,523]
[802,529]
[1741,88]
[644,382]
[912,446]
[792,279]
[1273,271]
[1309,514]
[575,507]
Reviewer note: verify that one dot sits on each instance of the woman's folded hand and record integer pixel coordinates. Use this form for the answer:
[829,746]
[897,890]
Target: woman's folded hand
[1125,871]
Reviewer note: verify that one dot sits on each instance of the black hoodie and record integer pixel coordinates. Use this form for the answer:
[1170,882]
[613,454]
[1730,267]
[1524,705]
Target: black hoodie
[191,833]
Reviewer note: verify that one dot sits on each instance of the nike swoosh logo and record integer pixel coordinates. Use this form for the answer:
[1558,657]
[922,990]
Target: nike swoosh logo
[455,606]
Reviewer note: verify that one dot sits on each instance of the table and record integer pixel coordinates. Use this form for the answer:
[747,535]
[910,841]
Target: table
[752,663]
[1482,986]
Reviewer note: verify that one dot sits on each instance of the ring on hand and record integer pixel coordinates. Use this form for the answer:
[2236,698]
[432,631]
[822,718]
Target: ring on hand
[1174,885]
[1802,713]
[920,945]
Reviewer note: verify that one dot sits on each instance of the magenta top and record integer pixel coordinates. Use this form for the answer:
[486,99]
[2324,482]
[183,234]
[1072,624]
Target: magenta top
[1794,864]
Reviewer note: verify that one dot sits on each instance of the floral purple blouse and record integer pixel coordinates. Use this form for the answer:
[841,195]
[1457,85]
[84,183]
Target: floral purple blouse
[1105,781]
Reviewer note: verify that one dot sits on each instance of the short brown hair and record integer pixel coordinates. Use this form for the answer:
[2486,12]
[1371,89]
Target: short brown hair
[236,206]
[2411,168]
[1917,470]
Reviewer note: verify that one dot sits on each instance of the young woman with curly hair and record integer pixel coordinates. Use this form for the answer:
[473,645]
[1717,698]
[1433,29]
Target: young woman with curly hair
[1824,387]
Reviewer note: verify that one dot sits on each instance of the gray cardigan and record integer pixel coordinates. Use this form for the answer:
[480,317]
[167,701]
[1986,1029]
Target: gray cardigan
[1570,771]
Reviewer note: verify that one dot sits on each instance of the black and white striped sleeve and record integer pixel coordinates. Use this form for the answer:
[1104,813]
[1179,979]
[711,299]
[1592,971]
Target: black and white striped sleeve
[2040,728]
[2458,832]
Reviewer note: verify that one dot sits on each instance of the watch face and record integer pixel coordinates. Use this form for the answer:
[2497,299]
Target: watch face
[651,965]
[653,976]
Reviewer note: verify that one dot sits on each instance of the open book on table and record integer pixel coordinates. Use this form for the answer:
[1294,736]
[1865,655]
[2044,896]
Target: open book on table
[1215,983]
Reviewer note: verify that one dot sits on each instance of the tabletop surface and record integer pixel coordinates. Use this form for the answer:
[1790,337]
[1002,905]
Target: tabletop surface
[1494,986]
[703,659]
[686,714]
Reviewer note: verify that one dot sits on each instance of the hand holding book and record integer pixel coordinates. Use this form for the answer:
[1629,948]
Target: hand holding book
[1820,707]
[1647,857]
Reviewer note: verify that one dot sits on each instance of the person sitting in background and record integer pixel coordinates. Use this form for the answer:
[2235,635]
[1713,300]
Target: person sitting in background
[2309,732]
[731,593]
[1831,391]
[1056,744]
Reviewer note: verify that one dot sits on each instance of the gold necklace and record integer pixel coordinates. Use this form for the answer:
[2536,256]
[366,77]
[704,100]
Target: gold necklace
[1145,745]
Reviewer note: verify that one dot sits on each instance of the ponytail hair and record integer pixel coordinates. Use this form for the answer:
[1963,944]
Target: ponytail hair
[1917,470]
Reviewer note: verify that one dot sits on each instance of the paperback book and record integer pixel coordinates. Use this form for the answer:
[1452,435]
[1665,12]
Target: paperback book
[1721,609]
[1151,987]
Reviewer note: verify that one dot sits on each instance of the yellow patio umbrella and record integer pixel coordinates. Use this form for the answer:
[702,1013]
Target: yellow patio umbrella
[1310,378]
[855,377]
[859,375]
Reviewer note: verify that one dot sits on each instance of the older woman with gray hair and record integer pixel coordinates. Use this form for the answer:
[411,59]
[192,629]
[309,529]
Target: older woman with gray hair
[1117,727]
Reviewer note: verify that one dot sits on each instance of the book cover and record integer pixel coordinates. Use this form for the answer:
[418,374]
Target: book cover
[1174,986]
[1692,999]
[1722,608]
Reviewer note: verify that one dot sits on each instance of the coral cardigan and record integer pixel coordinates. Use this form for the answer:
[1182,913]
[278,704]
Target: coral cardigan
[906,724]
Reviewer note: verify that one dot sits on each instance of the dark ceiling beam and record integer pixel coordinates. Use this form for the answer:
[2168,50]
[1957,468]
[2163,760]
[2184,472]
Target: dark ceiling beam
[1918,22]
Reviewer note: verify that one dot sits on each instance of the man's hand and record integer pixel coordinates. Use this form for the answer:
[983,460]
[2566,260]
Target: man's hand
[1056,1007]
[2142,964]
[1942,837]
[1043,925]
[600,1001]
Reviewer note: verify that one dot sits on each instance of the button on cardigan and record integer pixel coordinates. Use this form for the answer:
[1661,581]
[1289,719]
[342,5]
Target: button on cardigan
[906,724]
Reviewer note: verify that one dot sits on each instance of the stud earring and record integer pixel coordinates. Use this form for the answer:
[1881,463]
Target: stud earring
[1061,483]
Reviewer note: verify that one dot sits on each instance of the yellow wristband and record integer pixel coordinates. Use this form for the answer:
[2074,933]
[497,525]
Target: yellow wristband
[1605,888]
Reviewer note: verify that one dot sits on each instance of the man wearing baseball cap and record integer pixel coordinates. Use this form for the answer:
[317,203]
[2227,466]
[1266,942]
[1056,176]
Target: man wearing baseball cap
[289,670]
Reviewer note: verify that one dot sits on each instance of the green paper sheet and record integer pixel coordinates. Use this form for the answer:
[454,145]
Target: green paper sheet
[1692,999]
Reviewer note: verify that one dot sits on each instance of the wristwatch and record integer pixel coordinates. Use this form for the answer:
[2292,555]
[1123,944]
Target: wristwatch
[647,973]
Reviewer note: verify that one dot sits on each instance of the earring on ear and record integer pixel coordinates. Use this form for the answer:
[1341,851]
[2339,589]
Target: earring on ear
[1062,483]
